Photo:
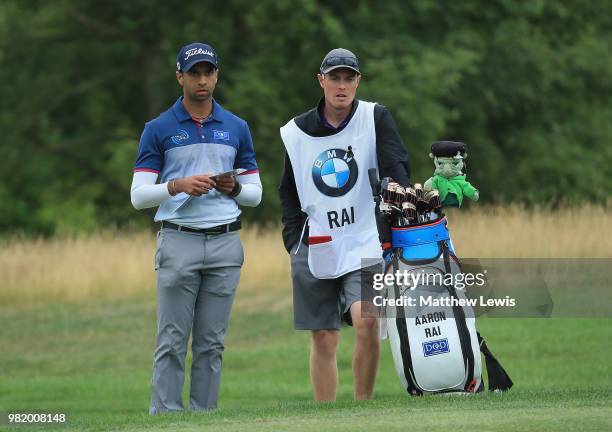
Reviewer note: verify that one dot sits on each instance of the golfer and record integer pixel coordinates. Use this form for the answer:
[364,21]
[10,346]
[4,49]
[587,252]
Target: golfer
[199,253]
[328,217]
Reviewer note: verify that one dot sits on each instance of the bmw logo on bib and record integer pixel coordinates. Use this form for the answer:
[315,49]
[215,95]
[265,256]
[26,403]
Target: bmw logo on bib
[334,172]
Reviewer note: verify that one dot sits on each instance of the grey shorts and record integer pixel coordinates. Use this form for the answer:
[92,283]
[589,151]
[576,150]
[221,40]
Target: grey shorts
[321,304]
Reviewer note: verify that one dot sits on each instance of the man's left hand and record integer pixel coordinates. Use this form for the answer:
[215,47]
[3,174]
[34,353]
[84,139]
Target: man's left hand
[225,185]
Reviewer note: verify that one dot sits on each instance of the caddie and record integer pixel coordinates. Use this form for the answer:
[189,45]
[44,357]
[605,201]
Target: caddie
[328,217]
[199,253]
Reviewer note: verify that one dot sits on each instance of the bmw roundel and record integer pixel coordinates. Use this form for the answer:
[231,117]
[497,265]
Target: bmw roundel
[334,172]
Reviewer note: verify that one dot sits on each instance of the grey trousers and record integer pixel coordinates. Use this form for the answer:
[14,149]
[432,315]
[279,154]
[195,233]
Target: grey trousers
[197,275]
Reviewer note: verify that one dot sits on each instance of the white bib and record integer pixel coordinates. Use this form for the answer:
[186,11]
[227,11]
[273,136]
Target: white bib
[334,190]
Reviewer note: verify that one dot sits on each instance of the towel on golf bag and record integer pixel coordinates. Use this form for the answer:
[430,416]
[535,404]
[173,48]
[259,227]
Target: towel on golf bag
[435,345]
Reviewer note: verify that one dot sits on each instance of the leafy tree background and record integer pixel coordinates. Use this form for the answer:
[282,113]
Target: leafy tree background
[528,85]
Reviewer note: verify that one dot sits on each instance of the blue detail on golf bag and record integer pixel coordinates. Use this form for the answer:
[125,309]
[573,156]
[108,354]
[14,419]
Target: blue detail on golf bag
[422,242]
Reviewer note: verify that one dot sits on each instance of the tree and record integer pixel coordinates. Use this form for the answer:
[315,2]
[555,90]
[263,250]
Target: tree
[527,85]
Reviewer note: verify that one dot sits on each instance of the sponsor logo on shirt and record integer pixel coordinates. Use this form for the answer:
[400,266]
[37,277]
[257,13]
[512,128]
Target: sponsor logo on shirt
[221,135]
[180,137]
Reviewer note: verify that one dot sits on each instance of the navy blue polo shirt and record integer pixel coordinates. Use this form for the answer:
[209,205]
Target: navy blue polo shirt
[174,145]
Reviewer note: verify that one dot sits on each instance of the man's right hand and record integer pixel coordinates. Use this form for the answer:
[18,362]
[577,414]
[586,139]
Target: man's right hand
[196,185]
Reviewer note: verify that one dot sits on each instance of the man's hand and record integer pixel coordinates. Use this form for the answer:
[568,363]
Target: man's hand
[226,184]
[196,185]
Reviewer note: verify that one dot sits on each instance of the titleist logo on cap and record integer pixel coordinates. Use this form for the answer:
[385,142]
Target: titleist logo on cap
[196,51]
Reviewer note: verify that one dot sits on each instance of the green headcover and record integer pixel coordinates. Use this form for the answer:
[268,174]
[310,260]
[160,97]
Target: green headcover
[450,181]
[457,186]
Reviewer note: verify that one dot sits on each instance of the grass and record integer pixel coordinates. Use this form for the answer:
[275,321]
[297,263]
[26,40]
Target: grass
[77,320]
[93,362]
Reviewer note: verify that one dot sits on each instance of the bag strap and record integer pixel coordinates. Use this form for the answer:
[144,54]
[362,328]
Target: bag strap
[460,321]
[498,377]
[402,331]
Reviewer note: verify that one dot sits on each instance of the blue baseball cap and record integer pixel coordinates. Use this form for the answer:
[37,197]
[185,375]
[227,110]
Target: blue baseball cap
[194,53]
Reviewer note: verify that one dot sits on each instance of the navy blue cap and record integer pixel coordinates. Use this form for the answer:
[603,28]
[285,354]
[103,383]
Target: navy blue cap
[194,53]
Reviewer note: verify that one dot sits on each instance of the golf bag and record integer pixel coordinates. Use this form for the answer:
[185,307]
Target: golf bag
[430,326]
[435,345]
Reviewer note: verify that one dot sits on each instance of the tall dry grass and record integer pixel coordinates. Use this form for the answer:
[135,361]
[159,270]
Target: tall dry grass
[110,265]
[515,232]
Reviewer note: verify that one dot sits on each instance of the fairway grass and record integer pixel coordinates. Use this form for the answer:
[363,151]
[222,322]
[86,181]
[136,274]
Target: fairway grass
[93,361]
[77,334]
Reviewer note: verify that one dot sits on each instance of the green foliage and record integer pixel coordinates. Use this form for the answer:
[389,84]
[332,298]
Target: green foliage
[527,85]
